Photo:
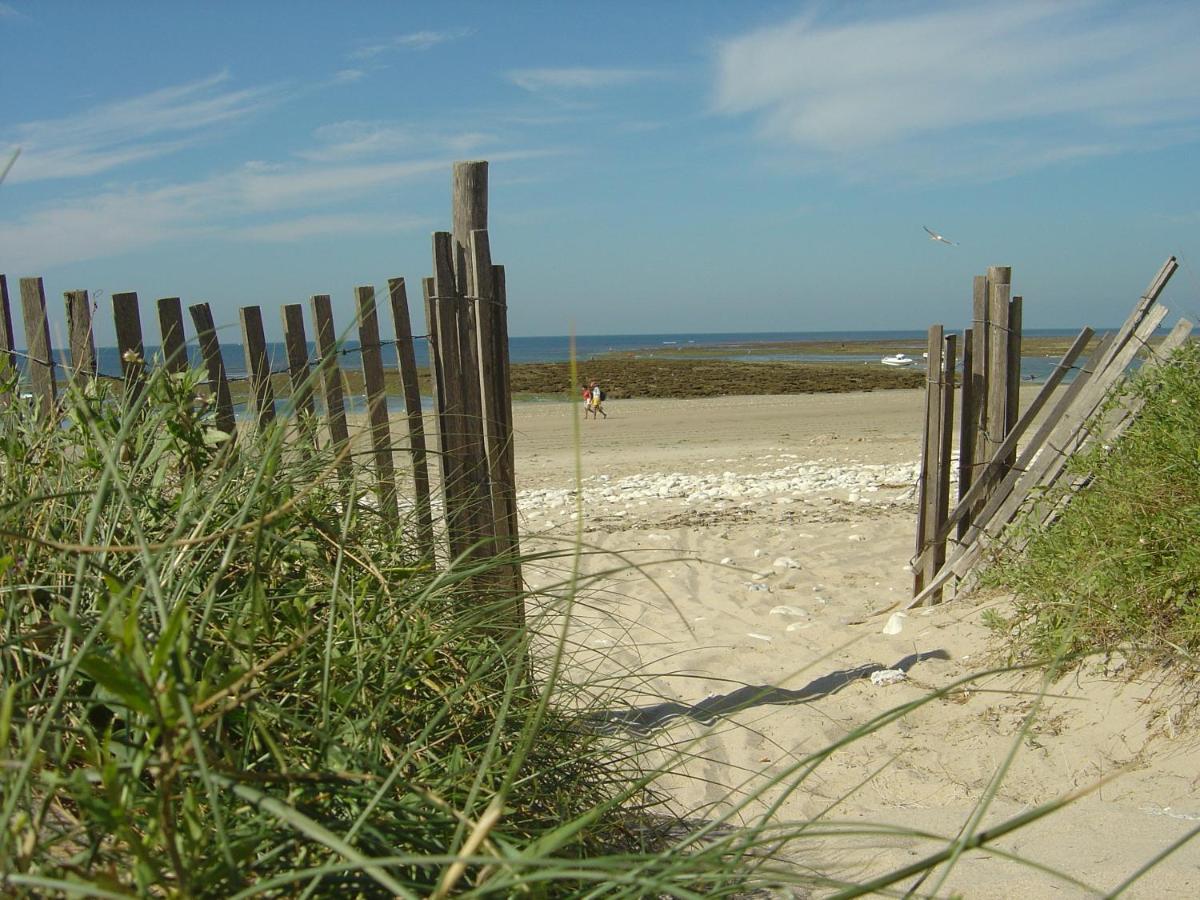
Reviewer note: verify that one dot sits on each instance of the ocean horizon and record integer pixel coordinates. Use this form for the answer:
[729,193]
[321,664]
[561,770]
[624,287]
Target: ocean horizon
[558,348]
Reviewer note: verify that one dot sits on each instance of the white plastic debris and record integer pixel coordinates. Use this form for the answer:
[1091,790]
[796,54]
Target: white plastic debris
[895,623]
[883,677]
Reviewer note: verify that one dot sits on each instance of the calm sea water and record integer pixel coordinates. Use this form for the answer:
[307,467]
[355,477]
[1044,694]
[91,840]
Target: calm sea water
[558,349]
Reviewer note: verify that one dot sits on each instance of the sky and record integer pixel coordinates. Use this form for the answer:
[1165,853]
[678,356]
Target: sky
[654,166]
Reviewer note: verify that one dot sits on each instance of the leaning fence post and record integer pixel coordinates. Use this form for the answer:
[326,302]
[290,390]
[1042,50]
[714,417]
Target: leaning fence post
[218,381]
[331,379]
[377,416]
[8,359]
[258,365]
[128,322]
[82,343]
[37,342]
[407,361]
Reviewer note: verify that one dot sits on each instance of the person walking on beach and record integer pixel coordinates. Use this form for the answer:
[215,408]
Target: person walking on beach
[593,398]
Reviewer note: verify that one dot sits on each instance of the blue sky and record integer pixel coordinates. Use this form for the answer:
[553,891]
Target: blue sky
[682,166]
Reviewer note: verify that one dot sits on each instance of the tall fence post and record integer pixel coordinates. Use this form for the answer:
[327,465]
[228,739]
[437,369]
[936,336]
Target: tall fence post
[406,360]
[8,359]
[214,363]
[82,342]
[940,505]
[504,393]
[930,453]
[998,340]
[37,342]
[377,416]
[980,327]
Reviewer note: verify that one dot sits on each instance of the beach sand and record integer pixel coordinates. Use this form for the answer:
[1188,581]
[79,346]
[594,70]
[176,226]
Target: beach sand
[763,527]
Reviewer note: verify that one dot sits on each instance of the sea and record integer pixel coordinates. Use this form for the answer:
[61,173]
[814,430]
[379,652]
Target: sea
[559,348]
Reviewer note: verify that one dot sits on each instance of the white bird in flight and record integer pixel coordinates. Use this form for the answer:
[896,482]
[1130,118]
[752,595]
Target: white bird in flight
[934,236]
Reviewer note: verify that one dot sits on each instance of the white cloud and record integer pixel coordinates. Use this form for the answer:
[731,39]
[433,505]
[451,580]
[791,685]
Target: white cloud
[576,78]
[355,139]
[416,40]
[120,132]
[328,225]
[10,12]
[285,202]
[968,90]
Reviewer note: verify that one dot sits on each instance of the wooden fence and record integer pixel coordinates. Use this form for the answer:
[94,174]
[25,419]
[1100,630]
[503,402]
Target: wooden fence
[996,482]
[466,310]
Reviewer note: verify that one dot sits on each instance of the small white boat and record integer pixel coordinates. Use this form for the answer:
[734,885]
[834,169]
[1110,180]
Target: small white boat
[898,361]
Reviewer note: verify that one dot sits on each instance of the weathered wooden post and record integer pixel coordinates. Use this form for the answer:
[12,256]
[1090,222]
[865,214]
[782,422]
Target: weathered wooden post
[258,365]
[296,343]
[406,360]
[999,285]
[940,507]
[377,416]
[218,381]
[170,328]
[37,342]
[331,379]
[8,359]
[82,343]
[930,453]
[128,321]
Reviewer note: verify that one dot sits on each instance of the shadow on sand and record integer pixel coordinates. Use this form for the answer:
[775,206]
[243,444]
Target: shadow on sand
[644,719]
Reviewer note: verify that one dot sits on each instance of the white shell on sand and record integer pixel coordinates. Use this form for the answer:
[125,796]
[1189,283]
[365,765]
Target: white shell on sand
[858,537]
[895,623]
[759,554]
[788,611]
[888,676]
[786,562]
[727,560]
[751,586]
[800,626]
[759,637]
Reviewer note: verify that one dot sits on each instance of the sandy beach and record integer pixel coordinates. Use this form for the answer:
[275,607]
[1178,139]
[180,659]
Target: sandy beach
[762,528]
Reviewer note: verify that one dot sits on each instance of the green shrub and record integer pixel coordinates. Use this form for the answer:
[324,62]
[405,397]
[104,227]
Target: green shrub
[221,676]
[1120,567]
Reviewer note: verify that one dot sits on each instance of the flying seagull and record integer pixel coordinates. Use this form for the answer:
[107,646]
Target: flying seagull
[934,236]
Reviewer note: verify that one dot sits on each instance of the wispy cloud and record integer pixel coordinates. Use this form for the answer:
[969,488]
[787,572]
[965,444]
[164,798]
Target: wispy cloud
[967,91]
[356,139]
[139,216]
[416,40]
[576,78]
[329,225]
[10,12]
[259,201]
[121,132]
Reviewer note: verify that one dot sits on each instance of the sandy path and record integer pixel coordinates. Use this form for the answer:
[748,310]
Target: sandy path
[766,524]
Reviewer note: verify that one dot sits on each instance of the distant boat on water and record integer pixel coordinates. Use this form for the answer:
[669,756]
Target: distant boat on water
[898,360]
